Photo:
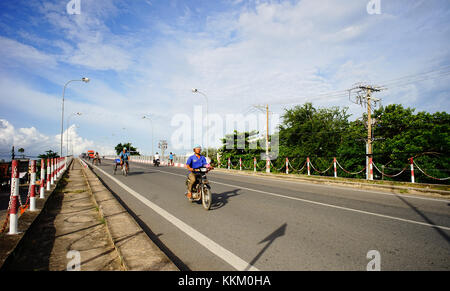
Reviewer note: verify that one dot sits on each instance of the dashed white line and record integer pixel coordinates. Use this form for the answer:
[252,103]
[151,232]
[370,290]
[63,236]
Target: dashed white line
[323,204]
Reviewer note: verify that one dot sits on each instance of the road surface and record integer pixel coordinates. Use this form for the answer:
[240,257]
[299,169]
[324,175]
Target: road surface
[260,223]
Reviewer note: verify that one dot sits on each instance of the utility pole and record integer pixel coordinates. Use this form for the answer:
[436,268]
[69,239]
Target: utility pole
[267,135]
[12,154]
[267,139]
[364,97]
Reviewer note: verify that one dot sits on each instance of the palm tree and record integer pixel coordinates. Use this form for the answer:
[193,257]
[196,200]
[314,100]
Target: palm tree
[21,150]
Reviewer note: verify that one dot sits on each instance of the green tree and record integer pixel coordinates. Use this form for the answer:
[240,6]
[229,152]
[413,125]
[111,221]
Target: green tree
[48,155]
[132,150]
[423,136]
[312,132]
[21,150]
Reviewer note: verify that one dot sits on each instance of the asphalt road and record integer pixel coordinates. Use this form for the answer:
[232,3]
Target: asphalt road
[267,224]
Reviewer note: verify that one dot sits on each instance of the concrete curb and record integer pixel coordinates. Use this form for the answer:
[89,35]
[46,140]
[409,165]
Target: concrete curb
[360,185]
[10,243]
[136,250]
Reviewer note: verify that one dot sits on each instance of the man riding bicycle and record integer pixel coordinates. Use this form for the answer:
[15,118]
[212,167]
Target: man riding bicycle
[194,162]
[124,155]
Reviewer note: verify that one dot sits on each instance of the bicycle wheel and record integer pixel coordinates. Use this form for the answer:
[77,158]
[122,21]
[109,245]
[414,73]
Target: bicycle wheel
[206,198]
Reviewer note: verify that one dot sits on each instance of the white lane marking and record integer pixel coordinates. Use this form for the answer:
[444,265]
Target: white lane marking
[324,204]
[235,261]
[337,186]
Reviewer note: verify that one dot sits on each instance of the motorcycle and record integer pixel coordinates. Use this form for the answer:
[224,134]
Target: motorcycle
[201,189]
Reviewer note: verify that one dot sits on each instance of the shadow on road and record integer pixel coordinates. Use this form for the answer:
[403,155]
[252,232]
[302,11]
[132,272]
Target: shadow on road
[279,232]
[439,231]
[221,199]
[135,173]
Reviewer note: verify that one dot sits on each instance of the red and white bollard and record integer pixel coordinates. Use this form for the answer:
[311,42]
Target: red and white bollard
[13,218]
[240,164]
[42,189]
[52,172]
[56,169]
[267,165]
[335,169]
[307,162]
[287,166]
[254,165]
[33,186]
[412,170]
[229,162]
[48,174]
[370,169]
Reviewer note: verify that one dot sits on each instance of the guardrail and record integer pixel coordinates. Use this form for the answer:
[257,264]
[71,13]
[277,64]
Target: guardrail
[48,176]
[307,167]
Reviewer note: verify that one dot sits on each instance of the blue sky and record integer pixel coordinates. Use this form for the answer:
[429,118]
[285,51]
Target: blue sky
[144,56]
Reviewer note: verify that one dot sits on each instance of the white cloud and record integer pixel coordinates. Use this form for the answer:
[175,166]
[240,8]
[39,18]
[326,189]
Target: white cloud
[35,143]
[16,54]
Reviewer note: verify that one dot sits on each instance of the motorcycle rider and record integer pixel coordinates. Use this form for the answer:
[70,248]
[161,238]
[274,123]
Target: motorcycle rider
[156,158]
[196,161]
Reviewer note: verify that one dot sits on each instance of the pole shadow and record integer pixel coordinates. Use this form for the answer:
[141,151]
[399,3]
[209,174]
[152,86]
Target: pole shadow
[428,220]
[279,232]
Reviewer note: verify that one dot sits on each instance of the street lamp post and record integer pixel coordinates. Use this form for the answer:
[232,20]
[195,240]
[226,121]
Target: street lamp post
[62,113]
[67,130]
[148,117]
[206,98]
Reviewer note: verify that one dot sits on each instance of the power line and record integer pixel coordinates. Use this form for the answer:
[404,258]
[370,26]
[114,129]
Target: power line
[439,73]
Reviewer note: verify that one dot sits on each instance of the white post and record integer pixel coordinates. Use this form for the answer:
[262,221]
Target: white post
[287,166]
[254,165]
[48,174]
[52,172]
[307,161]
[42,189]
[412,171]
[371,169]
[240,164]
[33,186]
[335,169]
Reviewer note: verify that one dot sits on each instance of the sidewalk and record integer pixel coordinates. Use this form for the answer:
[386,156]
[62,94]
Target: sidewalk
[70,222]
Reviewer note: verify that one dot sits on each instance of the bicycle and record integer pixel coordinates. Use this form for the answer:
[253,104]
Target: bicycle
[125,169]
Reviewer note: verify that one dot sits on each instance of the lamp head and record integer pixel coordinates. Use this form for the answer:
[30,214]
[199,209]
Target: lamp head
[84,79]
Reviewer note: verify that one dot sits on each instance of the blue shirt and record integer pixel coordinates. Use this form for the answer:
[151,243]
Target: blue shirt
[171,157]
[195,163]
[124,156]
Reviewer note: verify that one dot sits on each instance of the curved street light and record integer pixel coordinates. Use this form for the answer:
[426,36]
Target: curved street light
[84,79]
[194,90]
